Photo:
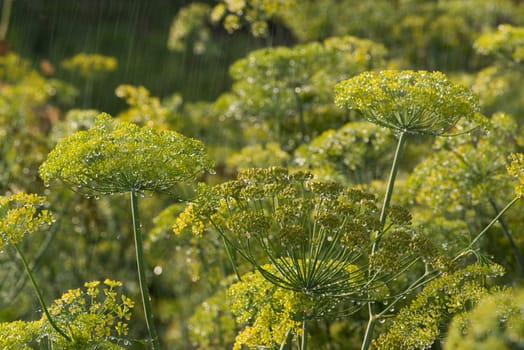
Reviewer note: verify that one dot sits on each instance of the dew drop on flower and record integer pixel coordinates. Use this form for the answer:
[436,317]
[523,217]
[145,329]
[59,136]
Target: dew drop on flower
[157,270]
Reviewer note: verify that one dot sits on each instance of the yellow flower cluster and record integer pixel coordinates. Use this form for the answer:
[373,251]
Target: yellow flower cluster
[256,13]
[417,102]
[90,65]
[516,169]
[21,214]
[118,157]
[260,305]
[92,314]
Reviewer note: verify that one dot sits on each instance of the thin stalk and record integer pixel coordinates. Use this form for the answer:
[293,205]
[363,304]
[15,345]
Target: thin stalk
[146,299]
[509,236]
[39,295]
[303,345]
[19,285]
[231,259]
[493,222]
[286,343]
[227,244]
[387,199]
[369,328]
[392,176]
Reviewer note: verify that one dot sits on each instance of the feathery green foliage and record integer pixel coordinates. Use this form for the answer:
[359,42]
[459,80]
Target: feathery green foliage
[407,101]
[118,157]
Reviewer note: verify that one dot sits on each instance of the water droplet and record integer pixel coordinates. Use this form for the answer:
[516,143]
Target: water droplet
[157,270]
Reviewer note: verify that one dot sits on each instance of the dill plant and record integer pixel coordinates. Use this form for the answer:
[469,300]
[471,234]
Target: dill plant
[78,319]
[466,178]
[94,317]
[21,216]
[190,26]
[297,85]
[309,239]
[407,102]
[120,157]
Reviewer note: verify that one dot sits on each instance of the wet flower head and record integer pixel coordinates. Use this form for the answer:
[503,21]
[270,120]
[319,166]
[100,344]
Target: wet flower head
[417,102]
[310,231]
[21,214]
[516,169]
[95,315]
[118,157]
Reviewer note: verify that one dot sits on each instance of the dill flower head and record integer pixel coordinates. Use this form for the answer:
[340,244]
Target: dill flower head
[90,65]
[118,157]
[417,102]
[505,43]
[20,214]
[95,316]
[516,169]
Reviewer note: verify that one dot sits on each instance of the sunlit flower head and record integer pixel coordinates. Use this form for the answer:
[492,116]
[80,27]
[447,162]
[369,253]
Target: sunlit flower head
[417,102]
[118,157]
[21,214]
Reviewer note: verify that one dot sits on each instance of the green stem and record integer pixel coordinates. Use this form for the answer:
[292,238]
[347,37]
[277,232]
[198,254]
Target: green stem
[495,219]
[286,343]
[19,285]
[369,329]
[39,295]
[509,236]
[387,199]
[146,299]
[392,176]
[303,345]
[231,259]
